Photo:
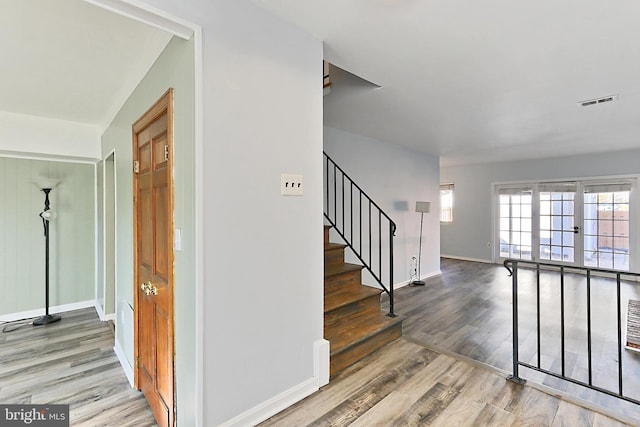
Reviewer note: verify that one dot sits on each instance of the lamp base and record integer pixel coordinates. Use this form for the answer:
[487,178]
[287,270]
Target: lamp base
[46,319]
[417,283]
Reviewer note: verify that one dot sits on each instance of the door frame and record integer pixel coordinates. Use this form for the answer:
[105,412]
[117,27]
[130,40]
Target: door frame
[162,105]
[110,291]
[169,21]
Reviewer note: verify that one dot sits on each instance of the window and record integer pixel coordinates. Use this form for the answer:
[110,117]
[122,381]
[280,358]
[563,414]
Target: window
[446,203]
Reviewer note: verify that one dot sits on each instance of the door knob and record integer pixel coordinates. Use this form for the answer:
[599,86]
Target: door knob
[146,288]
[153,289]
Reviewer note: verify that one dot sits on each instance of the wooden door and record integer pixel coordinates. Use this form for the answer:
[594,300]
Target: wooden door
[153,244]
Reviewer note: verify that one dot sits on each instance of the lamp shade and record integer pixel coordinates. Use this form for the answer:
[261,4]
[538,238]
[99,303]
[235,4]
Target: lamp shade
[43,182]
[49,215]
[423,207]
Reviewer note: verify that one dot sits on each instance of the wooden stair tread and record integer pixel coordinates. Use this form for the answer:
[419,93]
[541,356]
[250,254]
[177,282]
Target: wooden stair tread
[334,247]
[334,270]
[342,296]
[354,324]
[351,334]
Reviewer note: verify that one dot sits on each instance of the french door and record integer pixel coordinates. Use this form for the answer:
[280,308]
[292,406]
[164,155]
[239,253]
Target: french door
[572,223]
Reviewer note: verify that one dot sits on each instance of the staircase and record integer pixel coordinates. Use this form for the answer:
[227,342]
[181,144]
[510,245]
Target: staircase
[354,324]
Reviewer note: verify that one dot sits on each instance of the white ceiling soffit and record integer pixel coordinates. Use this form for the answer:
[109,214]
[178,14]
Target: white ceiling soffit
[470,81]
[147,15]
[71,60]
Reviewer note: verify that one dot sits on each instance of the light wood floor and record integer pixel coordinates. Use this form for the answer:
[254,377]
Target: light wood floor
[71,362]
[451,365]
[413,381]
[467,311]
[406,384]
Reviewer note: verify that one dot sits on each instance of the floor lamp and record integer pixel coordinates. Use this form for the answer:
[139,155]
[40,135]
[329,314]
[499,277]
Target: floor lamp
[46,185]
[423,208]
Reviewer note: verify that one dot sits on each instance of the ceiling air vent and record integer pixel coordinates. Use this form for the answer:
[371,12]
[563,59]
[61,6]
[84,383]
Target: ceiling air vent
[597,101]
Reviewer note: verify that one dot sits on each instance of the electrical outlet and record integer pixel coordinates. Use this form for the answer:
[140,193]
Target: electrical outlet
[291,184]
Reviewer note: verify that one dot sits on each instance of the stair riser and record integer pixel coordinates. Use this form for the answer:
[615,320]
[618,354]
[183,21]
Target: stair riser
[350,278]
[353,354]
[368,307]
[334,257]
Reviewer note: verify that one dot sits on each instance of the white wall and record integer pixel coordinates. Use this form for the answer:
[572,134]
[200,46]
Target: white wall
[395,178]
[263,278]
[467,237]
[20,133]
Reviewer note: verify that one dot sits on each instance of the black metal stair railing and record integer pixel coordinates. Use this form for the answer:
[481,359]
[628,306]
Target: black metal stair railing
[365,228]
[583,295]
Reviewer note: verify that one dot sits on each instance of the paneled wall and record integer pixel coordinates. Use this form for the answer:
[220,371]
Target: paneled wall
[22,248]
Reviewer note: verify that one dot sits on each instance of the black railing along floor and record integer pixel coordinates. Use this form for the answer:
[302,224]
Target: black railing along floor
[580,316]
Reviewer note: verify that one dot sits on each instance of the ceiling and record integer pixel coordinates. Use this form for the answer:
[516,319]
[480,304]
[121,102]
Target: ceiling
[482,81]
[71,60]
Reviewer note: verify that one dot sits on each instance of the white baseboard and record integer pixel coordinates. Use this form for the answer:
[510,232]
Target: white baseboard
[128,369]
[321,361]
[274,405]
[424,277]
[99,311]
[463,258]
[12,317]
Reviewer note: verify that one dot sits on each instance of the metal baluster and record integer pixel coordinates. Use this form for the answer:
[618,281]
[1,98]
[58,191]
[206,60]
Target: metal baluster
[538,308]
[391,233]
[379,243]
[562,343]
[589,327]
[620,391]
[514,291]
[343,225]
[351,209]
[370,232]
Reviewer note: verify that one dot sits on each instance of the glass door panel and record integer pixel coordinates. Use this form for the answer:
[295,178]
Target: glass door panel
[606,226]
[515,223]
[557,226]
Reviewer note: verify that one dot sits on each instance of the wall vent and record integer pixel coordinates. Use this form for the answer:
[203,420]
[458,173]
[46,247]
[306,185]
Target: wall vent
[597,101]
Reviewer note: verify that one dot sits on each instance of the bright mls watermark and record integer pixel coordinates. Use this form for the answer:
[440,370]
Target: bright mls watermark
[34,415]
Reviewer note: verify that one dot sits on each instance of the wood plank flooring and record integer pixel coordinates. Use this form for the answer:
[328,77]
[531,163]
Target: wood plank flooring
[407,384]
[416,380]
[449,369]
[467,311]
[71,362]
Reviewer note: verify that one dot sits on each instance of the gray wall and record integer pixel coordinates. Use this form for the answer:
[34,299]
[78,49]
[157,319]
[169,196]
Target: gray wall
[72,236]
[467,237]
[262,272]
[174,68]
[395,178]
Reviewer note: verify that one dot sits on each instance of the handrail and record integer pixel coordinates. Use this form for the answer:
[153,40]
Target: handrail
[357,229]
[512,266]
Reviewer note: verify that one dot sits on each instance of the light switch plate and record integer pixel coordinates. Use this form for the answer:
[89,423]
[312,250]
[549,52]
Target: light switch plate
[177,239]
[291,184]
